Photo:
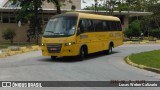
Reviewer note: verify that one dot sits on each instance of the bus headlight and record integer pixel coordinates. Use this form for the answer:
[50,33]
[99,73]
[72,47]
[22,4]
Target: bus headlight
[69,44]
[42,44]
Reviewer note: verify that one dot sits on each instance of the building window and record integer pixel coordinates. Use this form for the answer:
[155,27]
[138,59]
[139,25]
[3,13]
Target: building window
[12,20]
[45,20]
[5,19]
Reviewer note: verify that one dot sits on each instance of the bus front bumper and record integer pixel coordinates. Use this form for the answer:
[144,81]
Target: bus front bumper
[64,51]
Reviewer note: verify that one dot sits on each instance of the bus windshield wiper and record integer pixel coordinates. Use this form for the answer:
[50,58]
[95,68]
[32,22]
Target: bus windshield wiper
[49,31]
[59,33]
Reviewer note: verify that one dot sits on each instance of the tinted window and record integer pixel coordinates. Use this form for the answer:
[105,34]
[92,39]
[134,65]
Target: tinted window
[98,25]
[108,27]
[115,26]
[119,28]
[90,26]
[86,25]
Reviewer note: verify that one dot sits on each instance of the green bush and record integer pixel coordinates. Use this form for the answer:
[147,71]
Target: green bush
[134,29]
[9,34]
[155,32]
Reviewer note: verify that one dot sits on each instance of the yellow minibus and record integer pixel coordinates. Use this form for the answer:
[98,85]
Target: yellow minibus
[79,34]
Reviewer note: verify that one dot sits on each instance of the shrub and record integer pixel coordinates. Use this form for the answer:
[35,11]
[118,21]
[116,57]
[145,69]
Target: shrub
[134,29]
[155,32]
[9,34]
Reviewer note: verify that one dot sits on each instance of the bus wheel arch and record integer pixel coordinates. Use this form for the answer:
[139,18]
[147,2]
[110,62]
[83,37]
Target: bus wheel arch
[109,48]
[111,44]
[83,52]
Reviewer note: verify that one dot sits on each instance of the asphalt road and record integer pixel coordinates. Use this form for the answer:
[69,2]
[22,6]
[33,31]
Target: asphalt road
[33,66]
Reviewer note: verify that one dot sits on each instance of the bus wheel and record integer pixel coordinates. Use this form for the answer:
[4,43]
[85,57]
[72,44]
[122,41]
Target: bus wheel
[109,51]
[53,57]
[82,54]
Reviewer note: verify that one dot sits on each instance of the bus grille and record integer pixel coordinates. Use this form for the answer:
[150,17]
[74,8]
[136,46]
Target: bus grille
[54,48]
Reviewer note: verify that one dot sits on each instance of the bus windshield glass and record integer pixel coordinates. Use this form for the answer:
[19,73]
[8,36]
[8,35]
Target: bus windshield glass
[61,26]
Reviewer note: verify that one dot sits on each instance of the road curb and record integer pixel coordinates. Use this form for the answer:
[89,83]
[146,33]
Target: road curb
[8,52]
[128,61]
[142,42]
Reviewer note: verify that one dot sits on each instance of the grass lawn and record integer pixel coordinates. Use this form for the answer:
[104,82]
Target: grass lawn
[6,45]
[151,59]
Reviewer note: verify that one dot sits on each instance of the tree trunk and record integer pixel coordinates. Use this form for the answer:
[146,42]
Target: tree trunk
[35,21]
[58,6]
[58,9]
[11,40]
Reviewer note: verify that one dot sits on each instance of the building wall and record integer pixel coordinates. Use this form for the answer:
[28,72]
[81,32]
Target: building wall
[21,35]
[66,5]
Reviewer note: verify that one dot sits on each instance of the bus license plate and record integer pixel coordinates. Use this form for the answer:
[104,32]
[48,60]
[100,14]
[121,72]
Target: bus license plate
[53,49]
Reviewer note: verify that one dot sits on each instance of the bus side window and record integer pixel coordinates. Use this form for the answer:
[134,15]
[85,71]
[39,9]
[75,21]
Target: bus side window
[119,26]
[111,25]
[81,27]
[89,25]
[85,25]
[98,25]
[108,26]
[104,26]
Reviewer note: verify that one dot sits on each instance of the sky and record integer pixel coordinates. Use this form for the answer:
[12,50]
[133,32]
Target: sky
[85,3]
[1,3]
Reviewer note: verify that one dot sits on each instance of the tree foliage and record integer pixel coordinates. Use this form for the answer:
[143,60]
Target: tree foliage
[149,25]
[134,29]
[29,12]
[58,4]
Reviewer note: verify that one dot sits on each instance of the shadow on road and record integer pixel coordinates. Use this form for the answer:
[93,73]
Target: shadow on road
[74,59]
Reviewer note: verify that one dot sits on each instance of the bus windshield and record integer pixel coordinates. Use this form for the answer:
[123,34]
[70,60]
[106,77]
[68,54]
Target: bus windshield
[61,26]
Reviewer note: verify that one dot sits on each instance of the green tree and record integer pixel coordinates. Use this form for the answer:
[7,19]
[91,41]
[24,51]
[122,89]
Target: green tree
[108,5]
[128,33]
[9,34]
[29,12]
[134,29]
[151,23]
[58,4]
[155,32]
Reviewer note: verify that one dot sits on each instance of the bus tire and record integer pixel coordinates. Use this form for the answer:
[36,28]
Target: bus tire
[53,57]
[109,51]
[82,54]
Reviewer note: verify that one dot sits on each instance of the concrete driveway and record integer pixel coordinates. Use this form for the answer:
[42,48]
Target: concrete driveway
[33,66]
